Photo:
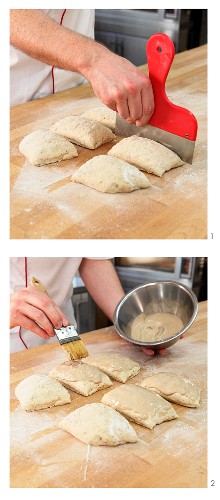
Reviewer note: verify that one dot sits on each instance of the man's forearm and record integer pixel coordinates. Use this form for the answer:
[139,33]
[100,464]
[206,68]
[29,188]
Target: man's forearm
[114,79]
[40,37]
[102,282]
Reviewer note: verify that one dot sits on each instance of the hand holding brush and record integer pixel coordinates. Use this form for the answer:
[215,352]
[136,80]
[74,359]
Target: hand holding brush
[67,335]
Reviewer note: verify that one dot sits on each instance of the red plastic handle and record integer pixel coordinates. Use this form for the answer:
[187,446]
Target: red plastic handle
[167,116]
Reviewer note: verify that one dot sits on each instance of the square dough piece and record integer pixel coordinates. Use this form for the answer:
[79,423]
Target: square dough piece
[40,391]
[81,378]
[173,388]
[147,155]
[140,405]
[86,133]
[118,367]
[110,175]
[99,425]
[103,115]
[42,147]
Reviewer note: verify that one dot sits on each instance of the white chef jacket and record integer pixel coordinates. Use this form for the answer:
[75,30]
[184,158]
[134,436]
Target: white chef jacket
[56,273]
[30,78]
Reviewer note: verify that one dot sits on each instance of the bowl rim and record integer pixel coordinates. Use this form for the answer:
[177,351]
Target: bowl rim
[153,283]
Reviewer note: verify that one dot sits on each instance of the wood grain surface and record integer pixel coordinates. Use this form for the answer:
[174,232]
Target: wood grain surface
[46,204]
[172,455]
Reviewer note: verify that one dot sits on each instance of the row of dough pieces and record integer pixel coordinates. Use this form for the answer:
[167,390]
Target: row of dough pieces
[111,173]
[104,423]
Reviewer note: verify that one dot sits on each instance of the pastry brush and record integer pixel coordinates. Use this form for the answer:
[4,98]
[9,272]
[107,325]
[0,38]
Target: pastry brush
[67,336]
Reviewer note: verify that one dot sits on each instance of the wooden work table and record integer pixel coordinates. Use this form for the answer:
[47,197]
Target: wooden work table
[172,455]
[46,204]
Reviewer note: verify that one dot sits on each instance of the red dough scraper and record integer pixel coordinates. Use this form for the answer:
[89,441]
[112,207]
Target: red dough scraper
[173,126]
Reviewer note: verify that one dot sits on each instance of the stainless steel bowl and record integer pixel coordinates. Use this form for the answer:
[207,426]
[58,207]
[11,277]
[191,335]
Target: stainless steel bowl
[161,296]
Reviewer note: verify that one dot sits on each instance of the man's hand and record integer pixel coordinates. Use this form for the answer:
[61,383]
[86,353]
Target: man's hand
[114,79]
[150,352]
[122,87]
[35,311]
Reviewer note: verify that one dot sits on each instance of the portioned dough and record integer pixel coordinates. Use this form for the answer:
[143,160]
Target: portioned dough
[155,327]
[118,367]
[86,133]
[40,391]
[81,378]
[140,405]
[99,425]
[110,175]
[103,115]
[43,147]
[147,155]
[174,388]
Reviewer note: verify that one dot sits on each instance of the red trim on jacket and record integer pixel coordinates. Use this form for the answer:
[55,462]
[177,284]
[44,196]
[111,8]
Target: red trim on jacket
[26,284]
[52,70]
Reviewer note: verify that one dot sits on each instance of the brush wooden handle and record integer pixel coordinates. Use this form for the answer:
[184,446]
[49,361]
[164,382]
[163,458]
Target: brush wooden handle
[37,284]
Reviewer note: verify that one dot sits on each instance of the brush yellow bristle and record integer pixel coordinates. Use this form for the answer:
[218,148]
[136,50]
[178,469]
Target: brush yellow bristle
[76,349]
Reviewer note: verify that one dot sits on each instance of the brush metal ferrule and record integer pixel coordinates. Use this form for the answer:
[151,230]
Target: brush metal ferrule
[66,334]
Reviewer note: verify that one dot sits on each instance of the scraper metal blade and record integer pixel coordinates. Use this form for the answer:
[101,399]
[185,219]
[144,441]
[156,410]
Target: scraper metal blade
[171,125]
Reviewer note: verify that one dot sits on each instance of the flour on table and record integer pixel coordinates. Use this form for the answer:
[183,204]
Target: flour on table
[99,425]
[110,175]
[42,147]
[147,155]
